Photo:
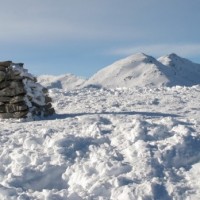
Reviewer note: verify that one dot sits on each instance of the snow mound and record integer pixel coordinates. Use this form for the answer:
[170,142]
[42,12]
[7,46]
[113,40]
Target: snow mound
[140,70]
[67,81]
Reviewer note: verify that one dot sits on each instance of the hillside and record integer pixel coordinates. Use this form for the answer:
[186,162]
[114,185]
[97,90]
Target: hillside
[67,81]
[140,70]
[185,72]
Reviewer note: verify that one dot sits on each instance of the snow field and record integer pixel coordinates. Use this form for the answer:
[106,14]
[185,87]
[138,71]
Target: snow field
[118,144]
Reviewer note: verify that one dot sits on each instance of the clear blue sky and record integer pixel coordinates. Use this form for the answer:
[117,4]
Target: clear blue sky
[83,36]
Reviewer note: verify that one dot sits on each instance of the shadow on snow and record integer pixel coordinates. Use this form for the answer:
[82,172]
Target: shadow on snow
[148,114]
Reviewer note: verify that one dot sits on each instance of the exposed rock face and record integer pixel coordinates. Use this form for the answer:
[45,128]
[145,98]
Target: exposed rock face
[20,94]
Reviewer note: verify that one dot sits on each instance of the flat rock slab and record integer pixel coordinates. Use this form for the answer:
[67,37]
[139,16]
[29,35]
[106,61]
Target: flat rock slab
[16,99]
[2,76]
[6,63]
[5,99]
[11,92]
[4,84]
[13,115]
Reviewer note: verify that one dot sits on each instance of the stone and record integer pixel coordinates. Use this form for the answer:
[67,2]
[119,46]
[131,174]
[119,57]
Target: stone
[2,109]
[48,112]
[6,115]
[14,75]
[5,99]
[48,99]
[13,115]
[10,108]
[45,90]
[3,69]
[20,94]
[16,84]
[6,63]
[18,64]
[2,76]
[48,105]
[4,84]
[21,114]
[38,101]
[11,92]
[16,99]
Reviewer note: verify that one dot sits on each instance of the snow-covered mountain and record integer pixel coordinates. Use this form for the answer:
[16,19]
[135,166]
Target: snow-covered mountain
[185,72]
[138,70]
[141,70]
[67,81]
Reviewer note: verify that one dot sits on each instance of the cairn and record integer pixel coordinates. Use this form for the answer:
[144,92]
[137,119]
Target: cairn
[20,94]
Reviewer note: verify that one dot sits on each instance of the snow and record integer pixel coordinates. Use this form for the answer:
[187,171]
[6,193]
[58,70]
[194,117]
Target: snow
[140,70]
[67,81]
[106,143]
[121,135]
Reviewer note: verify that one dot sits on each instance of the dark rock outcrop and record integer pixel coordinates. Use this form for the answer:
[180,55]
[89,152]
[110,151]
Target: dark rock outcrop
[20,94]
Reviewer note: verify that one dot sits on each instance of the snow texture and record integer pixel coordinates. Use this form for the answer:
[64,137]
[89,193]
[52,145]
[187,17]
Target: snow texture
[106,144]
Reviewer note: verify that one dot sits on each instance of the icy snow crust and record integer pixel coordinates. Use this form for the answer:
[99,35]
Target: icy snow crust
[111,144]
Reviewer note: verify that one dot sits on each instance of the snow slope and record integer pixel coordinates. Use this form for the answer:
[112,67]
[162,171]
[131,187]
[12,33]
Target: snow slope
[111,144]
[185,72]
[67,81]
[140,70]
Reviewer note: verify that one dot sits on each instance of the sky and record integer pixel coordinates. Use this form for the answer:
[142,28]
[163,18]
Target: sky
[83,36]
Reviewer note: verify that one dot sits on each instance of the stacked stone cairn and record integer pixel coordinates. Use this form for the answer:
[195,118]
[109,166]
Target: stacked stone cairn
[20,94]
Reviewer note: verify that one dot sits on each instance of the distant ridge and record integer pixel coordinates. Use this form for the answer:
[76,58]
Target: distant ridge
[67,81]
[137,70]
[140,70]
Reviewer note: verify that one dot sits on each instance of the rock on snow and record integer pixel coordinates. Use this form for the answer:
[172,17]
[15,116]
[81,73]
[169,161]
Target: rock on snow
[111,144]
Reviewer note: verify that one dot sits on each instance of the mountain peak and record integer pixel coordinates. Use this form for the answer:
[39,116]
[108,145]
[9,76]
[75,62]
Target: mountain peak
[171,59]
[138,57]
[143,70]
[174,56]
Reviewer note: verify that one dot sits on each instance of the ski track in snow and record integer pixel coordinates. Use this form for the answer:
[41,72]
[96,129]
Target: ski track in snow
[118,144]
